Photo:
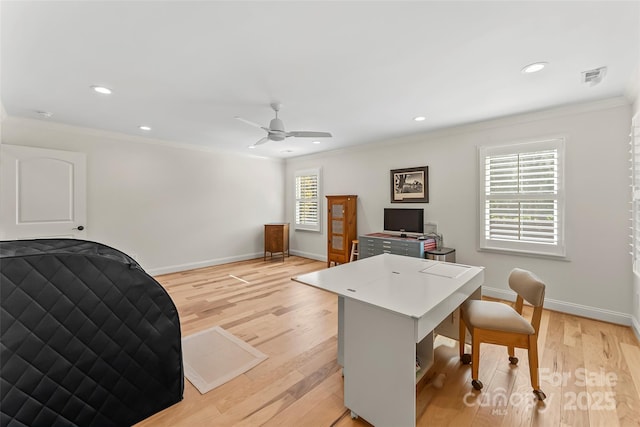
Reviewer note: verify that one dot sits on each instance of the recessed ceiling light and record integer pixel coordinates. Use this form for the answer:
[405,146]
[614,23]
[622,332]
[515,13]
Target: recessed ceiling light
[419,118]
[101,89]
[44,114]
[147,128]
[251,147]
[316,142]
[534,68]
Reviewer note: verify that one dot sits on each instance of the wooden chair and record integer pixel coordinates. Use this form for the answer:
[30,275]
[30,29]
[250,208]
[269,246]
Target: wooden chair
[498,323]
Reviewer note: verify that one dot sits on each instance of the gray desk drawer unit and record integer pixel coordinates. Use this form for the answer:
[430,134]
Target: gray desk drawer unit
[371,245]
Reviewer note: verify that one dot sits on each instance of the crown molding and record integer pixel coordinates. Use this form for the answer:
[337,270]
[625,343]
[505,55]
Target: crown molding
[120,137]
[515,119]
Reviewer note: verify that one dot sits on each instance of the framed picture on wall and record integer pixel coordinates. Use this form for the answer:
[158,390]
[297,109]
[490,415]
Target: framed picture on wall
[410,185]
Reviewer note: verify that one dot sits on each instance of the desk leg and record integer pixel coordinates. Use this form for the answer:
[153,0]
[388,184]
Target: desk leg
[379,369]
[341,330]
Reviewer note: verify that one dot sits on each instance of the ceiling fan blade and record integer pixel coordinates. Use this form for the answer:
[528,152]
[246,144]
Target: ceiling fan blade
[306,134]
[262,141]
[249,122]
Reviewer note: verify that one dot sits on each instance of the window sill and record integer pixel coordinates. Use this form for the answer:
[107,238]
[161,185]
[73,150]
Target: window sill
[307,230]
[525,254]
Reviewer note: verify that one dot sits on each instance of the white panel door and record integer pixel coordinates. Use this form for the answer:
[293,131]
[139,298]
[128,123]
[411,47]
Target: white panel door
[43,193]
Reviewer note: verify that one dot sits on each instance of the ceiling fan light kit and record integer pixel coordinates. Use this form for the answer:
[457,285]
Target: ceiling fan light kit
[276,130]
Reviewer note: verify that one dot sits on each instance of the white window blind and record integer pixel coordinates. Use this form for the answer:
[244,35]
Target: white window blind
[634,141]
[522,197]
[307,215]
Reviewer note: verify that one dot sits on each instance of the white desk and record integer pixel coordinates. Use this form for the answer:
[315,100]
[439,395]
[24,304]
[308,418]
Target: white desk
[392,304]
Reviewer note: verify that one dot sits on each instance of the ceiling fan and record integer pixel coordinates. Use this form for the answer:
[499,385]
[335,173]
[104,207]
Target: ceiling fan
[276,132]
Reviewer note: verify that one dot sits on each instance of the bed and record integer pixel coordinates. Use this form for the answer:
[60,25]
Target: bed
[88,338]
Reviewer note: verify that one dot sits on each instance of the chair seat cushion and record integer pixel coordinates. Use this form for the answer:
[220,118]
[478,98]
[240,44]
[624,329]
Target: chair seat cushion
[495,316]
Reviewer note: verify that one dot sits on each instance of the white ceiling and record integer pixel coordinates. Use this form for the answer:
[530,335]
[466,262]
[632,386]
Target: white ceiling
[360,70]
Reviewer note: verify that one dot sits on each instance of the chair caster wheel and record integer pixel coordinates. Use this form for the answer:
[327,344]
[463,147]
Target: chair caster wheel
[513,360]
[540,395]
[476,384]
[465,359]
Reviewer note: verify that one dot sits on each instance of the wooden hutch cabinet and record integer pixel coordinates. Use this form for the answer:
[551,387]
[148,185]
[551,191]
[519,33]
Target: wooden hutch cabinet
[342,227]
[276,239]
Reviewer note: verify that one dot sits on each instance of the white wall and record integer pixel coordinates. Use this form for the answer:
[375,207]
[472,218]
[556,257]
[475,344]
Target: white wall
[636,278]
[173,208]
[596,279]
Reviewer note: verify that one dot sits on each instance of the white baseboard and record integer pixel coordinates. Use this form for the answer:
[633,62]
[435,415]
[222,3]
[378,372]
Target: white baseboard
[208,263]
[201,264]
[571,308]
[636,327]
[309,255]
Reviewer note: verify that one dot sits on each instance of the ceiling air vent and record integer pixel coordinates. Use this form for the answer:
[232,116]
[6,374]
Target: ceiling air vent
[593,77]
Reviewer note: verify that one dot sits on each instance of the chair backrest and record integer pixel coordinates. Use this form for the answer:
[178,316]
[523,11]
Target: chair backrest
[528,286]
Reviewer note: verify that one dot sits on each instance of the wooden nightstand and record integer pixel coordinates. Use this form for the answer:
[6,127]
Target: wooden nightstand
[276,239]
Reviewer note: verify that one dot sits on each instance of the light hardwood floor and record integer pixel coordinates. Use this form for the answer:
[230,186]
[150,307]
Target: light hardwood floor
[590,369]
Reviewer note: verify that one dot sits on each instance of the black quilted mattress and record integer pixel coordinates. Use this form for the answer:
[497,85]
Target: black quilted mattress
[88,338]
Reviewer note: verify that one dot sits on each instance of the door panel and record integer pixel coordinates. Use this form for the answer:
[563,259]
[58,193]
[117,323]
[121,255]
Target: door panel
[43,193]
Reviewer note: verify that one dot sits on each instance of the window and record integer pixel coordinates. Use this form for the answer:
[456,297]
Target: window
[634,141]
[307,215]
[522,197]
